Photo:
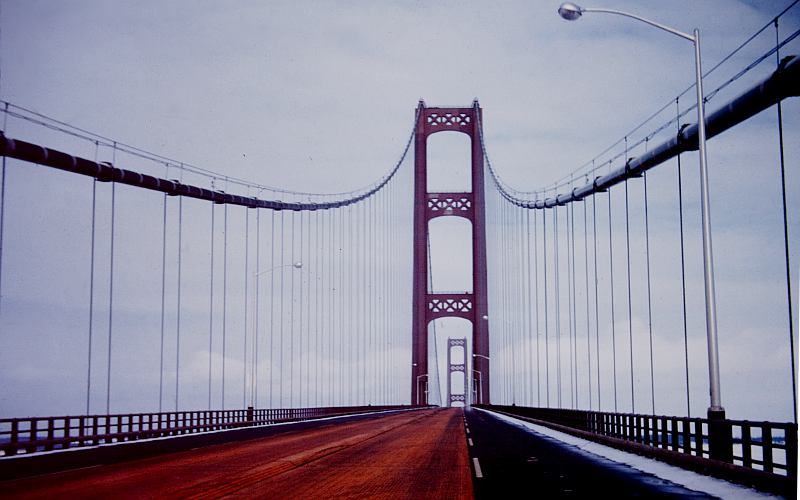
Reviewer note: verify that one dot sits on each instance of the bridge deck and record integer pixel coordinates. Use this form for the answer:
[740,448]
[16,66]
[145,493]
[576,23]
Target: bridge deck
[420,454]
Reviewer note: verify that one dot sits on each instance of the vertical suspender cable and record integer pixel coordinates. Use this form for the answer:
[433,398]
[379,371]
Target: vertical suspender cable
[507,300]
[435,368]
[571,332]
[536,307]
[786,236]
[163,293]
[3,200]
[531,329]
[596,298]
[613,326]
[308,312]
[574,300]
[513,275]
[224,296]
[630,312]
[305,324]
[326,311]
[347,298]
[211,304]
[558,303]
[501,292]
[358,292]
[178,305]
[504,296]
[91,284]
[546,326]
[586,282]
[344,332]
[282,319]
[91,297]
[380,294]
[305,299]
[271,309]
[300,308]
[517,294]
[373,305]
[523,309]
[319,262]
[362,293]
[329,308]
[516,275]
[291,317]
[352,304]
[246,290]
[335,308]
[341,338]
[364,300]
[111,289]
[256,315]
[649,296]
[387,275]
[520,312]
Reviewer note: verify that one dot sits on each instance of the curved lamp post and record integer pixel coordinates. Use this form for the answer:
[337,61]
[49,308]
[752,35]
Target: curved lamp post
[296,265]
[478,391]
[572,12]
[256,275]
[418,387]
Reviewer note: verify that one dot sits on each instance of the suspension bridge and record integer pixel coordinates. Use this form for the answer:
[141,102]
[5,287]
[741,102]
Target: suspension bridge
[175,331]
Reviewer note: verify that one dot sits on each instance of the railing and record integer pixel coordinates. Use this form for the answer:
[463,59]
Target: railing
[29,435]
[764,446]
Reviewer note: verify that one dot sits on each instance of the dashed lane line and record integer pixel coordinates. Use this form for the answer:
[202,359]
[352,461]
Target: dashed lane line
[478,473]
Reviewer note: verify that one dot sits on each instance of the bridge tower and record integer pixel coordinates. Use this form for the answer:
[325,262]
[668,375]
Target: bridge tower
[428,306]
[454,367]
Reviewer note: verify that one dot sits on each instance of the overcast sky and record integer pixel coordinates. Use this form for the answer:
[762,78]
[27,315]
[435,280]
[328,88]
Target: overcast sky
[319,96]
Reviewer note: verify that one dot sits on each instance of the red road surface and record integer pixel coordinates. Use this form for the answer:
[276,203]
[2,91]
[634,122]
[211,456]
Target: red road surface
[418,454]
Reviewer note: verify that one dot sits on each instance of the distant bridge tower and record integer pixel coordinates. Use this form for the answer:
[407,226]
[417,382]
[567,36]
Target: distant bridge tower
[454,367]
[430,306]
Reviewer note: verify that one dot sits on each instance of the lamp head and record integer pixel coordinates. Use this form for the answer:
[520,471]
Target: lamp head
[570,11]
[298,265]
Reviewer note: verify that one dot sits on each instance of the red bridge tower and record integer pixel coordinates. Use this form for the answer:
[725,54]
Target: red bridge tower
[428,306]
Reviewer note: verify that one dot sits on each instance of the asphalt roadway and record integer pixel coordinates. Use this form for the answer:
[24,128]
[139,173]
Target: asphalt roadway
[409,455]
[510,462]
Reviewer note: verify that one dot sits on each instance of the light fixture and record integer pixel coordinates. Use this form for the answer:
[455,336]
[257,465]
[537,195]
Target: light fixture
[570,11]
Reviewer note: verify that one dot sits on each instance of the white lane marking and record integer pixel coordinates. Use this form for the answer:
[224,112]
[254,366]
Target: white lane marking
[470,442]
[467,430]
[478,472]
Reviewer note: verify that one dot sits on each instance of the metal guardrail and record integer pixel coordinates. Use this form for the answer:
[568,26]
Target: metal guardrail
[29,435]
[765,447]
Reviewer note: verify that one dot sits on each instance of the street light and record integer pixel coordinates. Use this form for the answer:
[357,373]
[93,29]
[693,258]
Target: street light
[481,356]
[572,12]
[426,387]
[296,265]
[479,390]
[256,275]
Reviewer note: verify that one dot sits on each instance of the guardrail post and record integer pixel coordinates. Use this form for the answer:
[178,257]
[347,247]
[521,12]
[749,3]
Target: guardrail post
[14,438]
[791,450]
[250,413]
[720,436]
